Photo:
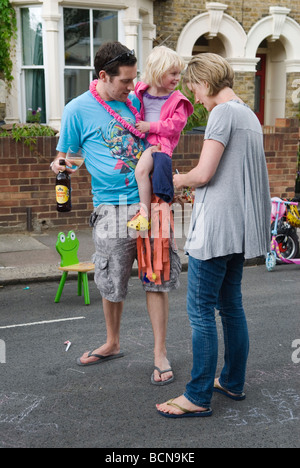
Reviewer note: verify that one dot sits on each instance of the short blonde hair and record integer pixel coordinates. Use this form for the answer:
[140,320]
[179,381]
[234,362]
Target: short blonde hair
[212,69]
[160,60]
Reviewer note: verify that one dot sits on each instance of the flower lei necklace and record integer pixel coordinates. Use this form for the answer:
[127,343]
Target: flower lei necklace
[114,114]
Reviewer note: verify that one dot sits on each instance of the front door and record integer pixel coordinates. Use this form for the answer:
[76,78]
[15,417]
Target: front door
[260,79]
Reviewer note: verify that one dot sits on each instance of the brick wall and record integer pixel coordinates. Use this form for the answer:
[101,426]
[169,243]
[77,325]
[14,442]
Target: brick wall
[27,182]
[170,16]
[281,146]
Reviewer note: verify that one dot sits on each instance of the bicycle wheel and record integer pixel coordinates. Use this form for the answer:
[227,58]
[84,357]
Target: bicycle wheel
[288,243]
[271,261]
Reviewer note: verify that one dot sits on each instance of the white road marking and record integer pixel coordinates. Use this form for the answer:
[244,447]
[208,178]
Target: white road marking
[42,323]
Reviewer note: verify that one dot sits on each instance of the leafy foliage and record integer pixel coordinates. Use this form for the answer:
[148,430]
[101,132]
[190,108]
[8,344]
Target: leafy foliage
[8,31]
[28,133]
[200,114]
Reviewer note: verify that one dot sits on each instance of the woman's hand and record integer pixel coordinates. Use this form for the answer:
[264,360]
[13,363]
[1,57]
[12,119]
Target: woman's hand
[142,126]
[179,181]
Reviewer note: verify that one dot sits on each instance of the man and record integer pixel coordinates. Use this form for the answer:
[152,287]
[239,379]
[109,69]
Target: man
[102,121]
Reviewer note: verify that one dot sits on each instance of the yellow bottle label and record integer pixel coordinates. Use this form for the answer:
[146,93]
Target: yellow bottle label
[62,194]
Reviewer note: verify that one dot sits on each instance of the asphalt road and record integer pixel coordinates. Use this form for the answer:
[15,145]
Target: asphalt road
[46,400]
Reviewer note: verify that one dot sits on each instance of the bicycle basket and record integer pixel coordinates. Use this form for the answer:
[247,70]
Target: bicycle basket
[281,207]
[293,216]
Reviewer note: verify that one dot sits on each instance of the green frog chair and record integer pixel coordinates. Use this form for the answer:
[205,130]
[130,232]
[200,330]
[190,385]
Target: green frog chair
[67,247]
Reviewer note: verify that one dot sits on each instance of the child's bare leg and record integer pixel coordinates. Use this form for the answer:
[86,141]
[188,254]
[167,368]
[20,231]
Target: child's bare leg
[142,171]
[140,222]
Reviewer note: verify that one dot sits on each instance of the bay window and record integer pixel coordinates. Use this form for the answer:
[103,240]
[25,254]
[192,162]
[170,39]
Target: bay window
[84,31]
[56,50]
[33,71]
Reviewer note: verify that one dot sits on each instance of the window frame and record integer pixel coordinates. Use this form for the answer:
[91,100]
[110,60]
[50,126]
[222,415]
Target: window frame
[90,68]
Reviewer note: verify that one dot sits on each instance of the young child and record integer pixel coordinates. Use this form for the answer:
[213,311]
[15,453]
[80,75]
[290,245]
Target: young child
[164,114]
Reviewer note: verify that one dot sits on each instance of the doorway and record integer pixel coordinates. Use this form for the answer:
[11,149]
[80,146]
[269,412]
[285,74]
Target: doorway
[260,85]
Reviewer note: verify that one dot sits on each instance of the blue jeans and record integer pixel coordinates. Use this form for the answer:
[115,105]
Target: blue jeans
[216,283]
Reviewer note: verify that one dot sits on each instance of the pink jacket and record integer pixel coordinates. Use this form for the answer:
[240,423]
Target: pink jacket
[173,118]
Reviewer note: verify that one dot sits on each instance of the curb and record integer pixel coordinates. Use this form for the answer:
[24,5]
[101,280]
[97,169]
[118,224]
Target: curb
[56,276]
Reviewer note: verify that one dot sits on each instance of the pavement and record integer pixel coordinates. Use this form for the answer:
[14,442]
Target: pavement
[27,257]
[30,257]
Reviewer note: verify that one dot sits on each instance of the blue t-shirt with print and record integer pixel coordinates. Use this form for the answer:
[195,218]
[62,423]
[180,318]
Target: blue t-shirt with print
[112,151]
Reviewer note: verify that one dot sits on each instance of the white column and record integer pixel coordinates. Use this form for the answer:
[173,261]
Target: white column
[149,32]
[131,32]
[51,19]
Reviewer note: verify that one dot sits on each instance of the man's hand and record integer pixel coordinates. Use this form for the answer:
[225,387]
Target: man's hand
[56,167]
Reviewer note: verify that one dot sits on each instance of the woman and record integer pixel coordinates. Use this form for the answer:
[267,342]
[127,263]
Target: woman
[230,222]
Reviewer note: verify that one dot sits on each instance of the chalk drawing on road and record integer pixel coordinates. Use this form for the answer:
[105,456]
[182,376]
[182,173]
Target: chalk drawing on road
[16,407]
[275,407]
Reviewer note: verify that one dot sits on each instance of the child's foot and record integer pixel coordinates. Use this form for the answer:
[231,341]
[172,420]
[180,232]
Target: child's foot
[139,223]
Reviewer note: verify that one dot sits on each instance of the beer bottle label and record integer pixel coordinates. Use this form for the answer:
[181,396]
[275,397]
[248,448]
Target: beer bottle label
[62,194]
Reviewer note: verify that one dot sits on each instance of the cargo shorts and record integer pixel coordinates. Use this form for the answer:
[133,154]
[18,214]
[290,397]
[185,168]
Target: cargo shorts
[116,251]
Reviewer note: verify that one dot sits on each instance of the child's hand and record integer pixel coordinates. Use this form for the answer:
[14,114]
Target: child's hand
[155,149]
[142,126]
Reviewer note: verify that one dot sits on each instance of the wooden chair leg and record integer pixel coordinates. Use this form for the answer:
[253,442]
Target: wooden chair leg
[61,286]
[86,288]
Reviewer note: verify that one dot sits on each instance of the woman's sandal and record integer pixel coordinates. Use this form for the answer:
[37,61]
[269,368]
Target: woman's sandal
[186,413]
[219,389]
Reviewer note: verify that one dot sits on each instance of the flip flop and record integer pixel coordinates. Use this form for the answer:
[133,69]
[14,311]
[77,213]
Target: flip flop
[219,389]
[101,358]
[162,382]
[186,413]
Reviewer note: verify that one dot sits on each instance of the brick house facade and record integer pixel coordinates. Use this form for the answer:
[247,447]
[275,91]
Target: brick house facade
[27,183]
[259,38]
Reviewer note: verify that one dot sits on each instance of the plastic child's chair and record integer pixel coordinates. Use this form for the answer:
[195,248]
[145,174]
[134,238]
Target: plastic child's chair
[67,248]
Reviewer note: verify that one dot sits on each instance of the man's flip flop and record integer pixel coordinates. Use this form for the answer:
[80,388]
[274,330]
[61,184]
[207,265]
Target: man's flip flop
[219,389]
[186,413]
[162,382]
[100,359]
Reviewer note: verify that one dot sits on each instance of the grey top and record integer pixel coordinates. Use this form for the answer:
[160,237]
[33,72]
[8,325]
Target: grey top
[232,213]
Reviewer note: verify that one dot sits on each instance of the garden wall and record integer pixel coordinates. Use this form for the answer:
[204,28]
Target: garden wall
[27,186]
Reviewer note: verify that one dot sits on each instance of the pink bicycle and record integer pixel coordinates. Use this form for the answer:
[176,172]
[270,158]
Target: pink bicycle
[285,219]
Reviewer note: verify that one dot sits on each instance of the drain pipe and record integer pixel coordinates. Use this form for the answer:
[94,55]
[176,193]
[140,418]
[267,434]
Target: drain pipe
[29,219]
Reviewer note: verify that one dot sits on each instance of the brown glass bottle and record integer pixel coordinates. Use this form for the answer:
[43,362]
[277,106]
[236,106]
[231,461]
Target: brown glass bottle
[63,190]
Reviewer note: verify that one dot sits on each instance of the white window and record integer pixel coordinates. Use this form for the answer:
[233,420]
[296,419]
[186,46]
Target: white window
[32,65]
[84,31]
